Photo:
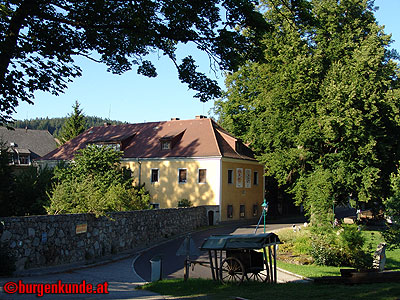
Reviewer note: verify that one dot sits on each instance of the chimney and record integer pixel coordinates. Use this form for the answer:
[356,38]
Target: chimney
[175,119]
[201,117]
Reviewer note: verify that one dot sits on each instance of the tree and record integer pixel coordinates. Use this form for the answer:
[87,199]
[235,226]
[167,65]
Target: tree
[54,125]
[30,190]
[95,183]
[24,192]
[39,39]
[392,204]
[6,181]
[322,109]
[74,125]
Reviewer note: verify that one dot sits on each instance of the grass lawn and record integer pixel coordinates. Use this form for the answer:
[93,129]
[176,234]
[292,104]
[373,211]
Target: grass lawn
[310,271]
[254,291]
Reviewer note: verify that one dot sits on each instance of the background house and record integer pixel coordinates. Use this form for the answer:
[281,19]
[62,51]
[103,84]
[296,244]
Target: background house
[183,159]
[25,145]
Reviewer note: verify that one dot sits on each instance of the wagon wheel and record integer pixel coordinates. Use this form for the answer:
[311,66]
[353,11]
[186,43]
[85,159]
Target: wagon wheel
[231,270]
[257,275]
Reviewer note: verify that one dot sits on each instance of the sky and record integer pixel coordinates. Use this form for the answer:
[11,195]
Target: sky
[135,98]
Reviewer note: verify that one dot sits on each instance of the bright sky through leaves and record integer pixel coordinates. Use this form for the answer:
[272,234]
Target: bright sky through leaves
[134,98]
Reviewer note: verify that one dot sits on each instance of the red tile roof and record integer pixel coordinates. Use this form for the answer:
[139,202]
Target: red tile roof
[190,138]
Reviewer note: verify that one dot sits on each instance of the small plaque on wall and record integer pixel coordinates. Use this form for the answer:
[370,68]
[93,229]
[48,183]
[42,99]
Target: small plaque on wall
[44,237]
[81,228]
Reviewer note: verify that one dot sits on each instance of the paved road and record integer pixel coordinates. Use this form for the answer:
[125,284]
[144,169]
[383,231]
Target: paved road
[119,275]
[172,266]
[124,275]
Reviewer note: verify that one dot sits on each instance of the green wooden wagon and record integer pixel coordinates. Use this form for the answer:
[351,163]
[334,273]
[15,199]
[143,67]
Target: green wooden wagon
[234,258]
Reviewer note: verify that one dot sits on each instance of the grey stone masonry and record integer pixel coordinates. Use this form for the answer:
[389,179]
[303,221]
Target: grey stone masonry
[39,241]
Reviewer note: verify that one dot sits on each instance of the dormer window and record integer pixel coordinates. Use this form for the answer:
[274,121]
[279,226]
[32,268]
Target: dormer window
[24,160]
[169,140]
[165,145]
[115,146]
[239,146]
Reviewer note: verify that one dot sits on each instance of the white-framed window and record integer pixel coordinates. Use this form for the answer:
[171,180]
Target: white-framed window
[182,175]
[255,178]
[155,175]
[229,212]
[155,205]
[255,210]
[11,160]
[166,145]
[242,211]
[24,159]
[202,178]
[230,176]
[114,146]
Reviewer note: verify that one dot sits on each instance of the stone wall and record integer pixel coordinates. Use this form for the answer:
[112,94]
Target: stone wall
[61,239]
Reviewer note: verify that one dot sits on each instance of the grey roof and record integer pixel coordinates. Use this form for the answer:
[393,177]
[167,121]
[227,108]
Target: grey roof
[240,241]
[38,142]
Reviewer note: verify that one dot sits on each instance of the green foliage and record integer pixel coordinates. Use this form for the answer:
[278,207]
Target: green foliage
[30,191]
[340,247]
[296,244]
[321,110]
[95,183]
[25,192]
[39,40]
[185,203]
[325,249]
[392,210]
[6,181]
[54,125]
[345,247]
[74,125]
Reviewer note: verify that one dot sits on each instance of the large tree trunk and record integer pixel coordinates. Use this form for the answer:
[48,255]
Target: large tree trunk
[8,47]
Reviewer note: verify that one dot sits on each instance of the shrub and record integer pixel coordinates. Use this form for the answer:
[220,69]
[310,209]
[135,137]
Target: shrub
[185,203]
[85,196]
[297,242]
[340,247]
[324,248]
[392,210]
[95,183]
[352,243]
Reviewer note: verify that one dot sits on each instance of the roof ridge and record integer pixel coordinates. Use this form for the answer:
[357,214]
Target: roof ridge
[29,129]
[128,124]
[224,130]
[158,122]
[215,137]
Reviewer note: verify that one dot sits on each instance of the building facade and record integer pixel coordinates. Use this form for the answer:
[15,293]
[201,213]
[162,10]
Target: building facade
[25,146]
[194,159]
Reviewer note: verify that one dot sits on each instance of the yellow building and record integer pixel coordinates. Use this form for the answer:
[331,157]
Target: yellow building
[183,159]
